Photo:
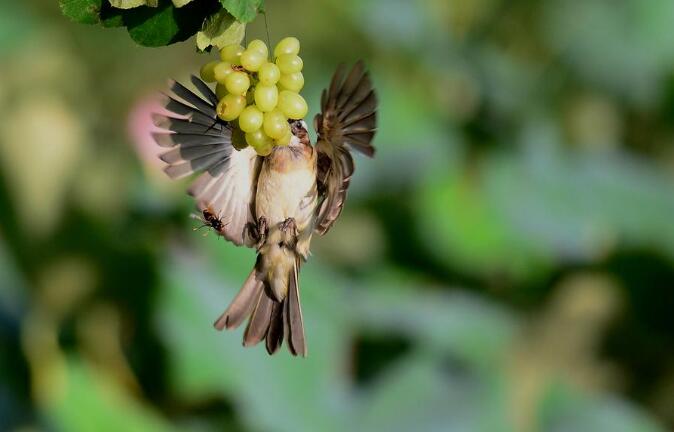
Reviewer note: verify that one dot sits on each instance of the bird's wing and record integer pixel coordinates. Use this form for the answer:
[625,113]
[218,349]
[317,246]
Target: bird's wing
[348,121]
[200,142]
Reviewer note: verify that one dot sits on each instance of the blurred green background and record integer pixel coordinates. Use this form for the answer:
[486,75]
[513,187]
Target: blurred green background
[506,263]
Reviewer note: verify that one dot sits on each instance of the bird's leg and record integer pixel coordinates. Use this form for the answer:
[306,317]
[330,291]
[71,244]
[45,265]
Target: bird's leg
[289,228]
[256,233]
[262,231]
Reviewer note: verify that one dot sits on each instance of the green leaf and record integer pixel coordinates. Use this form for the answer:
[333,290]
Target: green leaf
[102,398]
[82,11]
[219,30]
[243,10]
[164,24]
[130,4]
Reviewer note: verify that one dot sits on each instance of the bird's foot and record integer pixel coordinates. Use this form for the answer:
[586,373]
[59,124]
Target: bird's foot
[257,232]
[289,226]
[262,230]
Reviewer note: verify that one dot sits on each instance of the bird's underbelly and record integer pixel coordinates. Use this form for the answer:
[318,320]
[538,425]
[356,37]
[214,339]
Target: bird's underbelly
[288,194]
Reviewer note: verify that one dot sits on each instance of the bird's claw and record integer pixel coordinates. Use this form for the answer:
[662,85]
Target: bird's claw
[289,226]
[262,231]
[257,232]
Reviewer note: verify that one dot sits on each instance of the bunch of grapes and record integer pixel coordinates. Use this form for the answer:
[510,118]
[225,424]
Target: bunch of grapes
[258,96]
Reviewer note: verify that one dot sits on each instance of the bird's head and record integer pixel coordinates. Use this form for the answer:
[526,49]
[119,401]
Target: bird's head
[299,130]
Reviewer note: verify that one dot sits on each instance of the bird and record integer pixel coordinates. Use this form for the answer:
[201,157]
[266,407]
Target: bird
[273,203]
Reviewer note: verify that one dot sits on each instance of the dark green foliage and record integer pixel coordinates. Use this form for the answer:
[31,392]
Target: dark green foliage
[162,25]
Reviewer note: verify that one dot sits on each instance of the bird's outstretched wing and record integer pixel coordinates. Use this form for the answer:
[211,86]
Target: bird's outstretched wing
[200,142]
[348,121]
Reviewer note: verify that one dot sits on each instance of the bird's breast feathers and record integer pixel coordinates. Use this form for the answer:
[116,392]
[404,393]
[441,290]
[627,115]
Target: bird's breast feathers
[287,188]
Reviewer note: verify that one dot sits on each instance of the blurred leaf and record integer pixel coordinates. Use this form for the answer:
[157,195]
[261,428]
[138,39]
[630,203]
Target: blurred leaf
[522,211]
[243,10]
[82,11]
[219,30]
[563,409]
[465,326]
[94,401]
[463,229]
[421,394]
[591,37]
[128,4]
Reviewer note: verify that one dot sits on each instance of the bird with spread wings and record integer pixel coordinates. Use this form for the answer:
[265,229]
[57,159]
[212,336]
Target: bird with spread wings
[273,203]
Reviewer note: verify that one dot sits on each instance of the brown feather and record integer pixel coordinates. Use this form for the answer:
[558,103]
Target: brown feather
[258,324]
[276,329]
[293,316]
[243,303]
[348,121]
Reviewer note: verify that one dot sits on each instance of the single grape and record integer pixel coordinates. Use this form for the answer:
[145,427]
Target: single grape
[275,124]
[221,70]
[293,82]
[289,45]
[220,91]
[284,140]
[289,63]
[230,107]
[259,46]
[292,105]
[258,139]
[252,60]
[266,97]
[237,82]
[268,74]
[265,150]
[231,53]
[207,71]
[250,119]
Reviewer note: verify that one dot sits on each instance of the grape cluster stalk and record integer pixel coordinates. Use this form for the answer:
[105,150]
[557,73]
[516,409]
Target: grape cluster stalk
[258,96]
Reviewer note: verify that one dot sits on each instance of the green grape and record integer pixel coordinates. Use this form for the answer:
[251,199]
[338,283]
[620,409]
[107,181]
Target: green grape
[207,71]
[268,74]
[237,82]
[265,150]
[258,139]
[289,45]
[220,91]
[275,124]
[231,53]
[250,119]
[221,70]
[284,140]
[230,107]
[266,97]
[252,60]
[292,105]
[259,46]
[293,82]
[289,63]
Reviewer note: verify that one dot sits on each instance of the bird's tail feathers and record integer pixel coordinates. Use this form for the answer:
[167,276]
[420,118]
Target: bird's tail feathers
[270,320]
